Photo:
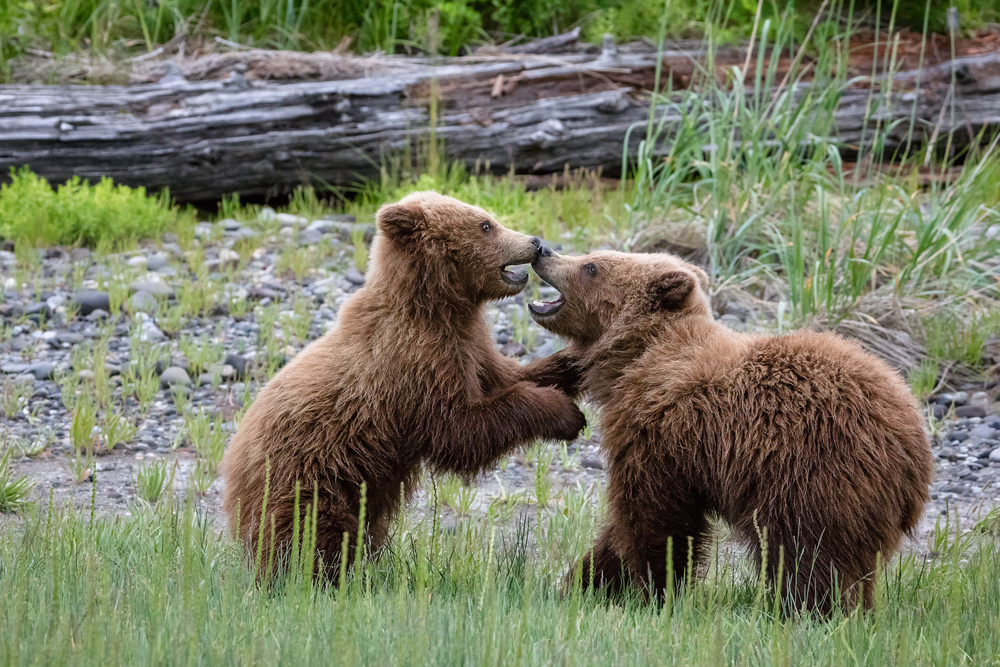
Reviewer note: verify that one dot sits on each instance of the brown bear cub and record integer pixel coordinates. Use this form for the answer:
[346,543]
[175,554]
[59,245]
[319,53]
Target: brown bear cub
[804,436]
[409,375]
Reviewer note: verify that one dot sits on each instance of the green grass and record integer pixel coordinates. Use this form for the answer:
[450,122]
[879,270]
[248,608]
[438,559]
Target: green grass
[161,586]
[438,26]
[105,216]
[14,489]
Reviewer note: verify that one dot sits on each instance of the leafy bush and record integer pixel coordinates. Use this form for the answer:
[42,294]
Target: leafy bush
[77,213]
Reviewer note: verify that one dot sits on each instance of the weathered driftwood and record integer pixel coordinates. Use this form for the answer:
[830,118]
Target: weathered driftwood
[535,113]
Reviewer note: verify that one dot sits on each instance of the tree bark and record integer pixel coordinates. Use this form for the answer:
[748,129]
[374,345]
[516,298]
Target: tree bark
[207,139]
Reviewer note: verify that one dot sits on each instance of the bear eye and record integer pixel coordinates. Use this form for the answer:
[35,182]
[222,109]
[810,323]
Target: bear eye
[591,269]
[486,226]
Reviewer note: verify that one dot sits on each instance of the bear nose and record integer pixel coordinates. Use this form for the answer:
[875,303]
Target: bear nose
[545,251]
[537,242]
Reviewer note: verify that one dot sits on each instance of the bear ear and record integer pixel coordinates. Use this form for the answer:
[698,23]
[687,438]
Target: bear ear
[669,291]
[400,221]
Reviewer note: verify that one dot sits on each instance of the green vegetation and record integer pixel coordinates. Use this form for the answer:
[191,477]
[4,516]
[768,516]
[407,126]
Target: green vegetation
[163,587]
[105,215]
[748,184]
[441,26]
[14,489]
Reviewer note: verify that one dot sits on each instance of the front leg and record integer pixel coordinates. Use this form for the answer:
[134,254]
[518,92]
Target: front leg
[474,437]
[560,370]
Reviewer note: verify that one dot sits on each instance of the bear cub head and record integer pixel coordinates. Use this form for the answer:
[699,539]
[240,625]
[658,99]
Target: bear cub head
[445,245]
[608,293]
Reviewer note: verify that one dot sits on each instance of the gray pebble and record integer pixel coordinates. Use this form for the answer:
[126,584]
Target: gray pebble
[14,368]
[512,350]
[970,411]
[175,375]
[309,237]
[239,364]
[982,431]
[69,337]
[144,302]
[955,398]
[156,262]
[98,315]
[43,370]
[354,276]
[91,300]
[154,287]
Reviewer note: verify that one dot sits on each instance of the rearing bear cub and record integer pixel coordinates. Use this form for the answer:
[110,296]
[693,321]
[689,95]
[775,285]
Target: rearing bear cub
[408,375]
[805,435]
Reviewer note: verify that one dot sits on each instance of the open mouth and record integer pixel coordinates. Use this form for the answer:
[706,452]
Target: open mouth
[513,276]
[545,308]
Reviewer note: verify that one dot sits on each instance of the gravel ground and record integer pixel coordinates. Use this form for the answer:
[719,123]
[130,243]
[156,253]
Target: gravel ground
[62,310]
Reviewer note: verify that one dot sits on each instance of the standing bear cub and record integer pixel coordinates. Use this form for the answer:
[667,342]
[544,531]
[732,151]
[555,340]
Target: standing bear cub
[408,375]
[804,436]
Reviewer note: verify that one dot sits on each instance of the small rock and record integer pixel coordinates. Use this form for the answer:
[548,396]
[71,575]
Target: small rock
[43,370]
[956,398]
[69,337]
[91,300]
[156,262]
[138,261]
[229,257]
[154,287]
[310,237]
[995,454]
[14,368]
[204,379]
[98,315]
[261,292]
[938,411]
[289,219]
[144,302]
[970,411]
[545,349]
[354,276]
[983,432]
[86,374]
[979,398]
[175,375]
[957,436]
[513,349]
[323,226]
[593,463]
[150,333]
[238,364]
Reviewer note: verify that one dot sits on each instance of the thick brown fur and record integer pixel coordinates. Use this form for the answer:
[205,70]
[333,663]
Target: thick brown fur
[409,375]
[804,436]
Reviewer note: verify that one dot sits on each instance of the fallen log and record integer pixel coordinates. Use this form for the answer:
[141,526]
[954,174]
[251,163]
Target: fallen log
[533,114]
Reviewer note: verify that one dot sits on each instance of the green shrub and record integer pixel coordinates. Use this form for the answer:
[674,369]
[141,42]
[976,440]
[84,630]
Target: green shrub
[77,213]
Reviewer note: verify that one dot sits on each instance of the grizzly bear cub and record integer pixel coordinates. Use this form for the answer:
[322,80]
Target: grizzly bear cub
[804,436]
[408,375]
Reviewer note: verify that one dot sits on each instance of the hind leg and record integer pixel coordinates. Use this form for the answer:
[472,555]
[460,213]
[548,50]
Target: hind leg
[601,568]
[819,569]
